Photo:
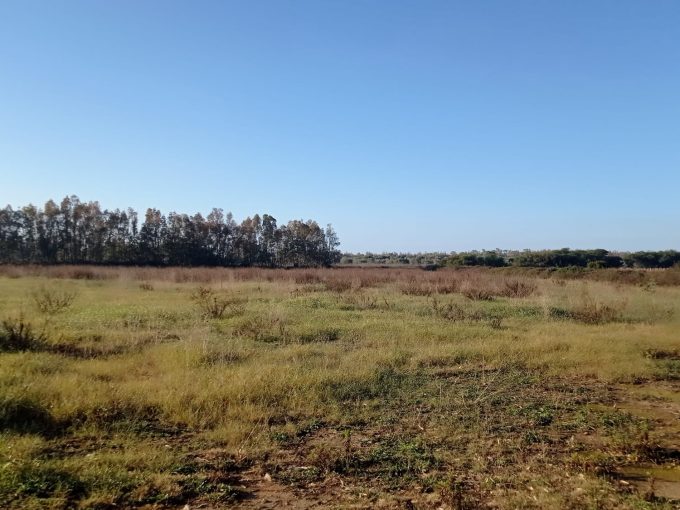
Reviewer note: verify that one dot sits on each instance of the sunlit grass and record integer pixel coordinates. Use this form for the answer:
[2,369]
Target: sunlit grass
[129,368]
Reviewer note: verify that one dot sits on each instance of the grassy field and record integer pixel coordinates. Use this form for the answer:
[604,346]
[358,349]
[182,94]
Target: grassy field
[337,388]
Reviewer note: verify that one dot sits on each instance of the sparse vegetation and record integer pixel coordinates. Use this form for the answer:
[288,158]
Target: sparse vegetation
[455,388]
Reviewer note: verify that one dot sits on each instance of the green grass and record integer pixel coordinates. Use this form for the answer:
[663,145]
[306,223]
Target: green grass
[139,393]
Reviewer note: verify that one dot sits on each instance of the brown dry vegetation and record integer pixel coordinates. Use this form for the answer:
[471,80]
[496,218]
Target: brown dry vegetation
[337,388]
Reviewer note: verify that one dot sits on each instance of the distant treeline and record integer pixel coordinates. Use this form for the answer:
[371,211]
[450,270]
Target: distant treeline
[394,258]
[564,257]
[76,232]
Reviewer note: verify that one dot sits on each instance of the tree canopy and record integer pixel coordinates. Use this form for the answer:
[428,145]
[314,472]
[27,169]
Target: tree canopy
[76,232]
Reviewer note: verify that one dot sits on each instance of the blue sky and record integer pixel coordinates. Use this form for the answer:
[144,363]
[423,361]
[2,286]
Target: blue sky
[408,125]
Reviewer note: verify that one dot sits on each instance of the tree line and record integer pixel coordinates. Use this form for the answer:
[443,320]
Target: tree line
[562,258]
[76,232]
[566,257]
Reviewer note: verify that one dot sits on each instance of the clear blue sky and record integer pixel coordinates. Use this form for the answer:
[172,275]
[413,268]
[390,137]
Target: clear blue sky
[408,125]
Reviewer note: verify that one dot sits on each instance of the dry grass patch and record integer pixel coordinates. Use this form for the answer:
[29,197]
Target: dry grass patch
[391,381]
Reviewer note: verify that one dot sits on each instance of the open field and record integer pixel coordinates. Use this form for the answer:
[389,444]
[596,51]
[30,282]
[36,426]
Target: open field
[337,388]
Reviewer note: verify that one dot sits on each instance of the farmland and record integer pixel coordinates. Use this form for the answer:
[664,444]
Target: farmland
[335,388]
